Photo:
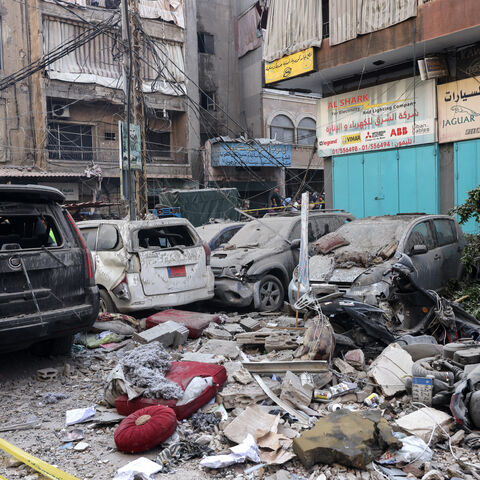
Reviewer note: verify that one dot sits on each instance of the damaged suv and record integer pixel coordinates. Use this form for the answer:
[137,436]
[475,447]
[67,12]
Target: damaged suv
[257,263]
[356,258]
[48,290]
[148,263]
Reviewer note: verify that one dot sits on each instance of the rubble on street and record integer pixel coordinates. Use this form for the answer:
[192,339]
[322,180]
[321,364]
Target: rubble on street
[176,405]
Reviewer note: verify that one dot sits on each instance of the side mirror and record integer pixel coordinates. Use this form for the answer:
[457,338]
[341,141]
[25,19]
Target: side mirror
[295,243]
[419,250]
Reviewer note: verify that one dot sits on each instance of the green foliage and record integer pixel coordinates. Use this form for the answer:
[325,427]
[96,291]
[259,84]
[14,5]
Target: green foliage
[471,253]
[458,290]
[470,209]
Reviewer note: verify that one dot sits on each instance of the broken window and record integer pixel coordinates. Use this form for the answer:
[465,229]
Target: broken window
[208,101]
[28,231]
[282,129]
[205,43]
[70,142]
[90,236]
[158,144]
[445,230]
[420,235]
[166,237]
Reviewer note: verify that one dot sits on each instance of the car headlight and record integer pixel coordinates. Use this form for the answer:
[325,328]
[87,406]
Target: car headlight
[369,293]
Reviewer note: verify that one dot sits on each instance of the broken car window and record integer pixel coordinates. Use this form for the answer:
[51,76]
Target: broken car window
[29,231]
[166,237]
[108,238]
[445,230]
[420,235]
[90,236]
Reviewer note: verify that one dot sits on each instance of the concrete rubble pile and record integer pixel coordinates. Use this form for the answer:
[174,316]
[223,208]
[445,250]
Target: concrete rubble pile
[278,412]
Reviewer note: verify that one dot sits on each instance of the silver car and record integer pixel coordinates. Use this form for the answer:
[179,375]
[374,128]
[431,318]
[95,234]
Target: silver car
[354,259]
[148,263]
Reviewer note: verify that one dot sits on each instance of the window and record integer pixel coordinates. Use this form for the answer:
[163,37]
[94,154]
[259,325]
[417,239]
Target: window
[205,43]
[110,136]
[158,144]
[420,235]
[70,142]
[108,238]
[445,230]
[28,231]
[90,236]
[326,23]
[307,131]
[208,101]
[282,129]
[296,231]
[165,237]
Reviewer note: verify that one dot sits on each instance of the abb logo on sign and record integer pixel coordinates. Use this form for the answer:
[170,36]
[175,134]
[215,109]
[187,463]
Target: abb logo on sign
[399,131]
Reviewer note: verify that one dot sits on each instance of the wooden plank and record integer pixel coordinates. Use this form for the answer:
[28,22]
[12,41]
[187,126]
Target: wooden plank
[285,366]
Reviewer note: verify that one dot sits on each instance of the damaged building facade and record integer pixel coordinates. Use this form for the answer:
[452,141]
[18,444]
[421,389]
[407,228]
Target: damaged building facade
[397,125]
[267,135]
[60,126]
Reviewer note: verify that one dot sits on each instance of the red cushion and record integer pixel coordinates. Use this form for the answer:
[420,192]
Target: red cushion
[145,429]
[195,322]
[180,373]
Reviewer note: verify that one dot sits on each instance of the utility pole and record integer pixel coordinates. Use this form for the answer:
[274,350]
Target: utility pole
[134,107]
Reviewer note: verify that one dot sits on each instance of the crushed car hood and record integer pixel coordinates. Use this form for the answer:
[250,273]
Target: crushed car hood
[241,256]
[322,270]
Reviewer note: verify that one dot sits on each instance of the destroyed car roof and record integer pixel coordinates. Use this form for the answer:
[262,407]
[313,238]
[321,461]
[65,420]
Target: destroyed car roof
[136,224]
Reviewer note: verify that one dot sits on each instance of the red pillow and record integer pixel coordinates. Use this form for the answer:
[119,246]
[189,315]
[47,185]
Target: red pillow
[145,429]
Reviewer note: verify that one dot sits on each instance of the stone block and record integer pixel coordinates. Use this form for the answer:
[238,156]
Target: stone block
[294,392]
[168,334]
[352,439]
[225,348]
[250,324]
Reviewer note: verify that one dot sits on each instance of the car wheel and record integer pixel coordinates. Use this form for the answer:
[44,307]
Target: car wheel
[106,303]
[270,294]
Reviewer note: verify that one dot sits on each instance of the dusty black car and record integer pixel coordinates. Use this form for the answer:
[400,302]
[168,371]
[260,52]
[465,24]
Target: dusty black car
[47,283]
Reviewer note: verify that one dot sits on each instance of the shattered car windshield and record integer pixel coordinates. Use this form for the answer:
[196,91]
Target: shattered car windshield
[165,237]
[266,233]
[369,236]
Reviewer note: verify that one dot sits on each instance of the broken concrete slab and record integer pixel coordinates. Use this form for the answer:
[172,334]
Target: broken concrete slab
[344,367]
[231,368]
[422,422]
[202,357]
[281,341]
[225,348]
[242,376]
[294,392]
[235,395]
[249,324]
[352,439]
[391,369]
[168,334]
[233,328]
[217,333]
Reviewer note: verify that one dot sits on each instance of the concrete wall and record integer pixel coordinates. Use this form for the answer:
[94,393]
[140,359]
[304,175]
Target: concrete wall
[16,124]
[218,71]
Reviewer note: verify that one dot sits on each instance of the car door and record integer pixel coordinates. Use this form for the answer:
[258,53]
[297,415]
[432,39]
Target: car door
[110,258]
[427,264]
[448,248]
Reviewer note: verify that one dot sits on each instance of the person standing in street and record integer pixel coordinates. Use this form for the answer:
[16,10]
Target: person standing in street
[275,199]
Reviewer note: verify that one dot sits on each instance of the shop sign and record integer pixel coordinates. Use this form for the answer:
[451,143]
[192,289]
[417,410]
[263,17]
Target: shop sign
[290,66]
[459,110]
[234,154]
[391,115]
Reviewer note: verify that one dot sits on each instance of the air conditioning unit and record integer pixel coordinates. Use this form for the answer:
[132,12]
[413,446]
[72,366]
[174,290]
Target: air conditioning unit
[60,111]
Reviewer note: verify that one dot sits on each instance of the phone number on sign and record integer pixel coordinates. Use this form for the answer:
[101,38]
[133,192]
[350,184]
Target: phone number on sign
[351,149]
[376,146]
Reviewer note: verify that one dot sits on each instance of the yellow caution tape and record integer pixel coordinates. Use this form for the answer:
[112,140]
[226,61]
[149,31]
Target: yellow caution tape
[2,477]
[40,466]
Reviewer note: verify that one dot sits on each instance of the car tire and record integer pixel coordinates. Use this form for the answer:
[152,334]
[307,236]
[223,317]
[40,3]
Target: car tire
[270,294]
[106,303]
